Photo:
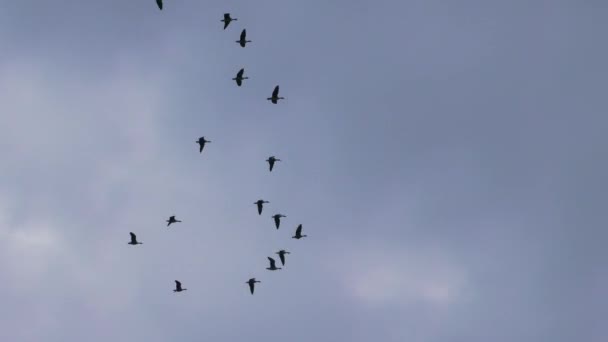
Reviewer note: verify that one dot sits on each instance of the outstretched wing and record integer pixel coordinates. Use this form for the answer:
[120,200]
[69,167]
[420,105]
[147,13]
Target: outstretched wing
[272,265]
[275,92]
[243,34]
[240,73]
[299,230]
[160,4]
[178,285]
[133,238]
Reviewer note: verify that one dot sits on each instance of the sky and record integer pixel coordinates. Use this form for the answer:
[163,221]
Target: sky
[446,159]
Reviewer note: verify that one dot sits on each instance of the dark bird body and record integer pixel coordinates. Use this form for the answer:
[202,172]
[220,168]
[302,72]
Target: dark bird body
[277,219]
[275,96]
[201,142]
[178,287]
[260,204]
[172,220]
[243,39]
[281,254]
[160,4]
[251,283]
[227,20]
[272,267]
[271,160]
[298,233]
[239,77]
[134,240]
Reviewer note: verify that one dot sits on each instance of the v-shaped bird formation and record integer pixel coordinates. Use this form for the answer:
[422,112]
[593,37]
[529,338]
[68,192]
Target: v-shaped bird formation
[202,141]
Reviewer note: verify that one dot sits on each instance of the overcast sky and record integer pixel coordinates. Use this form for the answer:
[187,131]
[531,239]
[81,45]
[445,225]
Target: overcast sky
[446,158]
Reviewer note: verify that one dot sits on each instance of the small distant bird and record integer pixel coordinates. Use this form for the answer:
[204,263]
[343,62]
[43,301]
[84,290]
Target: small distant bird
[260,204]
[243,40]
[281,254]
[277,219]
[239,77]
[172,220]
[134,240]
[160,4]
[251,283]
[201,141]
[271,160]
[298,233]
[178,287]
[272,267]
[227,20]
[275,96]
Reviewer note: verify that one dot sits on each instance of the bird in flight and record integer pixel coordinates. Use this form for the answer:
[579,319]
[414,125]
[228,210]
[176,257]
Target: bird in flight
[298,235]
[275,96]
[243,37]
[277,219]
[178,287]
[272,267]
[260,204]
[172,220]
[160,4]
[201,142]
[281,254]
[271,160]
[227,20]
[239,77]
[251,283]
[134,240]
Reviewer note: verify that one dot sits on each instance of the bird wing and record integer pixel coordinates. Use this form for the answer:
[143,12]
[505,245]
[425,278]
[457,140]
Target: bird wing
[133,238]
[178,285]
[202,146]
[239,82]
[227,16]
[160,4]
[251,285]
[240,73]
[299,230]
[271,262]
[275,92]
[226,22]
[243,34]
[282,256]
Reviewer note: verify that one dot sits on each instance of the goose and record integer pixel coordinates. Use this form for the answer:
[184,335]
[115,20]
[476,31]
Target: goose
[178,287]
[201,141]
[160,4]
[134,240]
[277,219]
[298,233]
[272,267]
[242,41]
[172,220]
[239,77]
[271,160]
[281,254]
[251,283]
[260,204]
[227,20]
[275,96]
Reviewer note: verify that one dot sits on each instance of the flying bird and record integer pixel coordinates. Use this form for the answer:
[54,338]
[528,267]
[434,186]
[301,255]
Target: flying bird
[272,267]
[134,240]
[298,233]
[275,96]
[251,283]
[227,20]
[201,141]
[243,40]
[178,287]
[271,160]
[172,220]
[239,77]
[160,4]
[277,219]
[260,204]
[281,254]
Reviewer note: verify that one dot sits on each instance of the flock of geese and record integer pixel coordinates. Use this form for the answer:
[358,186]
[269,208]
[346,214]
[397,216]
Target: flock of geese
[271,162]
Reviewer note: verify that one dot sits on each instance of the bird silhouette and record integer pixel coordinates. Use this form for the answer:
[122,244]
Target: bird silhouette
[272,267]
[277,219]
[172,220]
[227,20]
[201,142]
[243,37]
[281,254]
[160,4]
[239,77]
[271,160]
[298,233]
[275,96]
[251,283]
[178,287]
[260,204]
[134,240]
